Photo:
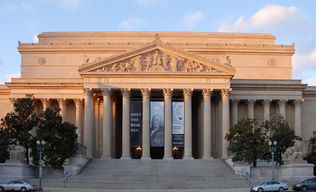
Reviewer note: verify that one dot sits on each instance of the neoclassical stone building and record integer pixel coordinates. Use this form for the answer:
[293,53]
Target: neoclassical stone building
[161,94]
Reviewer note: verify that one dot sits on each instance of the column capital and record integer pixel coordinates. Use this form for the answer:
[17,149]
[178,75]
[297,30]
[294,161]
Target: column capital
[251,102]
[225,92]
[126,92]
[45,101]
[146,92]
[62,101]
[87,92]
[106,92]
[297,102]
[207,92]
[167,92]
[78,101]
[188,92]
[282,102]
[13,100]
[266,102]
[235,102]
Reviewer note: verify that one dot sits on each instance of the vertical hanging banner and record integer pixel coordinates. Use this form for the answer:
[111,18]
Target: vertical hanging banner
[136,123]
[178,124]
[157,124]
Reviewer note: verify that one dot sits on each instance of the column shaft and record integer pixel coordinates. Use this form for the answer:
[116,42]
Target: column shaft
[78,103]
[188,123]
[168,123]
[298,117]
[235,103]
[126,121]
[146,123]
[88,121]
[107,115]
[62,105]
[225,120]
[207,93]
[251,104]
[282,105]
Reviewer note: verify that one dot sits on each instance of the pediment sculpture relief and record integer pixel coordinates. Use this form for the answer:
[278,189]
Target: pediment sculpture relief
[157,62]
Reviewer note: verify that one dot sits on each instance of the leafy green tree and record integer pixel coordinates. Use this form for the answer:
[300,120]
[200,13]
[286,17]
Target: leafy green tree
[282,134]
[248,142]
[311,156]
[20,123]
[4,144]
[60,138]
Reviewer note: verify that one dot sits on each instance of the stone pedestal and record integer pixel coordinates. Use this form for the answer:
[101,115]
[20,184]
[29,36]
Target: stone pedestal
[20,171]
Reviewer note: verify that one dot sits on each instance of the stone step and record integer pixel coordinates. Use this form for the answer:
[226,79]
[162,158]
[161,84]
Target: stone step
[153,174]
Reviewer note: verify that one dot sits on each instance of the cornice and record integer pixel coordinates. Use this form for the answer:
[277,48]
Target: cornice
[124,46]
[240,84]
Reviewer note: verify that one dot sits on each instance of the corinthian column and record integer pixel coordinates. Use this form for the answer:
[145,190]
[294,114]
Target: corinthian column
[298,116]
[235,103]
[282,105]
[45,102]
[146,123]
[107,115]
[251,104]
[187,93]
[207,93]
[266,109]
[62,105]
[88,121]
[167,93]
[126,92]
[13,100]
[78,103]
[225,120]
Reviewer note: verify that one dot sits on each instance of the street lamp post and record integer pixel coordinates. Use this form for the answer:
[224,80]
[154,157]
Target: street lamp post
[272,147]
[40,148]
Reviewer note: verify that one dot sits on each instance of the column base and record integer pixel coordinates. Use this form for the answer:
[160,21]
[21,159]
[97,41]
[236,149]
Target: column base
[188,158]
[207,158]
[125,158]
[168,158]
[107,157]
[146,158]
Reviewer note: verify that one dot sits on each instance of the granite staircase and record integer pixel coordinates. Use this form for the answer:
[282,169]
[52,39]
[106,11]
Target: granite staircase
[153,174]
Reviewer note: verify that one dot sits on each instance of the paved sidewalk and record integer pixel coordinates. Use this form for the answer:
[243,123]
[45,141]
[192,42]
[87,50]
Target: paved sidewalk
[51,189]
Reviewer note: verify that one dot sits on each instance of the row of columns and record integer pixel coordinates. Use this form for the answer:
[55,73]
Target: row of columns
[266,110]
[167,93]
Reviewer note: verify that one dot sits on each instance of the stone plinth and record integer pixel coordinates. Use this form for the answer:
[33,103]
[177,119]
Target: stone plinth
[16,171]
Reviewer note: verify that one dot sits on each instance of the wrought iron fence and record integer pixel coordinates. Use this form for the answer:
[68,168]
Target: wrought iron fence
[81,149]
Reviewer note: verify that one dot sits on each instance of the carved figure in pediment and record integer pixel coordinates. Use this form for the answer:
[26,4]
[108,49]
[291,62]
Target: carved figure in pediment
[122,67]
[165,60]
[149,60]
[157,59]
[228,61]
[174,64]
[216,60]
[85,59]
[188,66]
[197,67]
[102,70]
[138,63]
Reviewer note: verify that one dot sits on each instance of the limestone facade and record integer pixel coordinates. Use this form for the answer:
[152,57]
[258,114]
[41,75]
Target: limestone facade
[221,78]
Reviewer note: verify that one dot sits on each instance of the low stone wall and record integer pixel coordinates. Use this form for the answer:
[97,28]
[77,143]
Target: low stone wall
[11,171]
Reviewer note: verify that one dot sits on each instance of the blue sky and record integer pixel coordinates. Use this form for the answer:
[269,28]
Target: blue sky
[290,21]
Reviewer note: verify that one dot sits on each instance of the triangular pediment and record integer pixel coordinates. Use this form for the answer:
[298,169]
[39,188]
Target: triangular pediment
[157,57]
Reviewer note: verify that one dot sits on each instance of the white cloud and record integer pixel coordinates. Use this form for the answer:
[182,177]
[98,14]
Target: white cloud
[152,2]
[131,24]
[68,4]
[274,19]
[2,66]
[31,25]
[35,39]
[27,7]
[311,81]
[9,76]
[9,9]
[190,20]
